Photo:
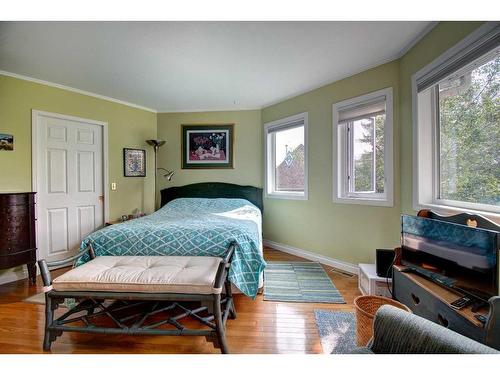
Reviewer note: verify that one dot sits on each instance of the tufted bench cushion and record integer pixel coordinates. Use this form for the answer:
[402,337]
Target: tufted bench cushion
[143,274]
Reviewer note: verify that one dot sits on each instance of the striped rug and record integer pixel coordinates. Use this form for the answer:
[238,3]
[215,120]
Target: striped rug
[299,282]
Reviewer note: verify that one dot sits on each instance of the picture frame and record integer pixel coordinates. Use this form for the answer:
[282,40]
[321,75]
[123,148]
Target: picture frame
[6,142]
[207,146]
[134,162]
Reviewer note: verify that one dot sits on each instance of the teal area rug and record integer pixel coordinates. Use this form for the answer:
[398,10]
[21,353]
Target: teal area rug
[299,282]
[337,331]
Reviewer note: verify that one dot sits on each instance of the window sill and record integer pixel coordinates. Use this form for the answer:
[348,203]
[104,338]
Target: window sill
[365,201]
[452,210]
[293,196]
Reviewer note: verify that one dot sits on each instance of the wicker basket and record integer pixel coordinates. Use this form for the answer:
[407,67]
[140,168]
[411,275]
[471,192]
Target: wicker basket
[366,307]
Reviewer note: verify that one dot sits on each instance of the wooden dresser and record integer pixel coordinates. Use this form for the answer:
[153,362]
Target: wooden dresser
[17,232]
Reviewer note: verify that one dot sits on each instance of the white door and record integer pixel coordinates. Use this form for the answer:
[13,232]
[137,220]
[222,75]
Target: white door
[68,168]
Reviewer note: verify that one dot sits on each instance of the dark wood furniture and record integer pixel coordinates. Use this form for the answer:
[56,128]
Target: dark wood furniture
[214,190]
[17,232]
[142,313]
[433,301]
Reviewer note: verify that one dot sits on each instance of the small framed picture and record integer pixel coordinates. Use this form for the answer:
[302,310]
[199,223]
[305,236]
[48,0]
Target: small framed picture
[207,146]
[6,142]
[134,162]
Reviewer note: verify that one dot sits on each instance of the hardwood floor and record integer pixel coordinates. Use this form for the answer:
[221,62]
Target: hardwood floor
[261,326]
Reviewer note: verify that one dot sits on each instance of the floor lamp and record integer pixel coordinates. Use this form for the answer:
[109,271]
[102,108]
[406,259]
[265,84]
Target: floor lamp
[156,143]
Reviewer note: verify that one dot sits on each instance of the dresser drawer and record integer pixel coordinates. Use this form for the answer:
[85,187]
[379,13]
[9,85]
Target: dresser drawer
[425,304]
[447,317]
[17,259]
[9,200]
[411,295]
[16,211]
[16,231]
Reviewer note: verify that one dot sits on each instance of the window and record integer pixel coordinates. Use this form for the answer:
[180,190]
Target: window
[362,157]
[457,128]
[286,157]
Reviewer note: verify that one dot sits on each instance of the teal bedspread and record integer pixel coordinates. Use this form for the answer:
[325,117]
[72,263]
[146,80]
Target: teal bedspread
[192,226]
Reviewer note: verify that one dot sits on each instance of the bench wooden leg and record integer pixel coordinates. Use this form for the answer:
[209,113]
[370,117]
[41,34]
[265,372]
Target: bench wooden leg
[219,327]
[229,294]
[51,305]
[49,319]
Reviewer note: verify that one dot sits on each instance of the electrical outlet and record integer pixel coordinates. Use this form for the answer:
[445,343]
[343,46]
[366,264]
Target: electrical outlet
[113,186]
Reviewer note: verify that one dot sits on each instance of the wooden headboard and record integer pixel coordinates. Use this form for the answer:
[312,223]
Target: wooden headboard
[213,190]
[471,220]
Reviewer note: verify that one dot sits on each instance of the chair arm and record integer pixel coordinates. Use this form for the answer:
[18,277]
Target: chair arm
[399,332]
[45,266]
[224,265]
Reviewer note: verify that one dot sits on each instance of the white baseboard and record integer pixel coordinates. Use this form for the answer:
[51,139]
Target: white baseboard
[15,274]
[335,263]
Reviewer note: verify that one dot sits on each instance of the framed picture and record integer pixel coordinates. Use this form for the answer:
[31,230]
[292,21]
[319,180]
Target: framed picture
[134,162]
[6,142]
[207,146]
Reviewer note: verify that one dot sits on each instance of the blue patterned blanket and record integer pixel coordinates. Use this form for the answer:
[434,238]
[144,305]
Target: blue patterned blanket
[192,226]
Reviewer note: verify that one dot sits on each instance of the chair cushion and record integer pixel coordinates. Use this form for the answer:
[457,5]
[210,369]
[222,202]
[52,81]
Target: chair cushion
[143,274]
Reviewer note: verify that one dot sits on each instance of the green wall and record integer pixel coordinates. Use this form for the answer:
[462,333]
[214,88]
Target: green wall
[127,127]
[444,36]
[248,146]
[342,231]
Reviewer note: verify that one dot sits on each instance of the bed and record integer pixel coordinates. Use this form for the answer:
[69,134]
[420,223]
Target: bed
[196,220]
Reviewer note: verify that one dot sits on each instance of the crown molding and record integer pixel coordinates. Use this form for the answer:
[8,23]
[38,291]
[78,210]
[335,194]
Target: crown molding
[75,90]
[417,39]
[210,110]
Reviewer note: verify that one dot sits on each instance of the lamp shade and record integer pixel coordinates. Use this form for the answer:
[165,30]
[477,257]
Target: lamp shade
[155,142]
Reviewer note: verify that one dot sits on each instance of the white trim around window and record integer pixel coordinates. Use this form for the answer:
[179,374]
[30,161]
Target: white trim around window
[270,129]
[425,121]
[362,105]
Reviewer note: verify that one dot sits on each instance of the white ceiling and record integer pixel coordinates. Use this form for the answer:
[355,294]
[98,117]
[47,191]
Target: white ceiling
[192,66]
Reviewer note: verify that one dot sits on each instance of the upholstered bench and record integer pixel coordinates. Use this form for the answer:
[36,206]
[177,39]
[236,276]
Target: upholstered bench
[141,295]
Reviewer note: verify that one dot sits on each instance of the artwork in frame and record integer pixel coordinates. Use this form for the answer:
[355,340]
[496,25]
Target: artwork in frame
[6,142]
[207,146]
[134,162]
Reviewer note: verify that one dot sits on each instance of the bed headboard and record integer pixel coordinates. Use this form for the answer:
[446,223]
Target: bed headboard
[213,190]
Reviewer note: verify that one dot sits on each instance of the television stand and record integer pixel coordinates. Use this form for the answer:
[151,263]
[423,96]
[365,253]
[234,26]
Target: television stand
[433,302]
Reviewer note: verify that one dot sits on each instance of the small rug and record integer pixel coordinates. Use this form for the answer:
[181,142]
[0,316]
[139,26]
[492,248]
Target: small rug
[38,299]
[337,331]
[299,282]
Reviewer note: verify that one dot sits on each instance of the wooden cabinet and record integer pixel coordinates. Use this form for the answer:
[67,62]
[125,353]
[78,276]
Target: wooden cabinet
[433,302]
[430,301]
[17,232]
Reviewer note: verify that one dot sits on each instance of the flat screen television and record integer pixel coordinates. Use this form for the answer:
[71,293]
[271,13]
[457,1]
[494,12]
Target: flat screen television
[456,256]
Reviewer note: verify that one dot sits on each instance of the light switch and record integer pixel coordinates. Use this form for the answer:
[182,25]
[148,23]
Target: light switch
[113,186]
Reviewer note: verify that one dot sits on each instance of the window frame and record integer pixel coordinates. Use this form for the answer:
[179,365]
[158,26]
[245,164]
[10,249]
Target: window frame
[426,141]
[343,159]
[350,170]
[269,157]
